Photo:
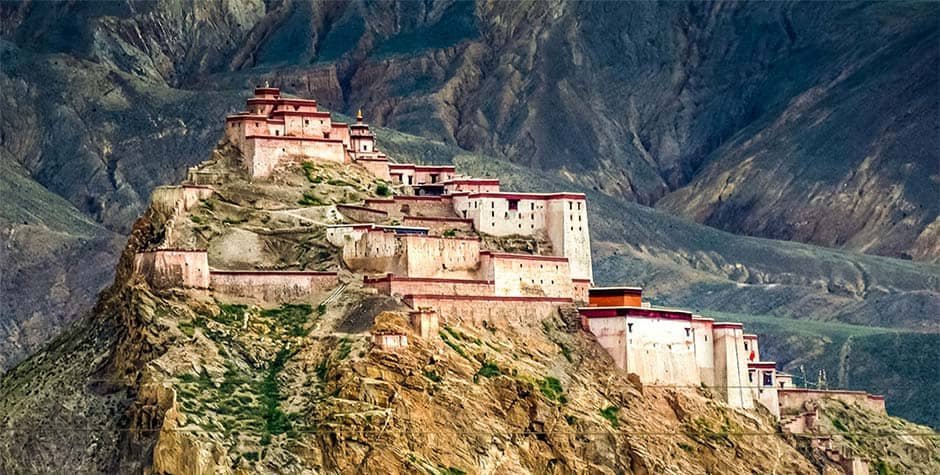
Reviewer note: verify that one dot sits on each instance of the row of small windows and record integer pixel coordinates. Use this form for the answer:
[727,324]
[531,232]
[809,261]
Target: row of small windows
[541,282]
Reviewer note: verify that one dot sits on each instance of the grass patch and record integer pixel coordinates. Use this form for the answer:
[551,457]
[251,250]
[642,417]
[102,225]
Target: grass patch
[839,425]
[489,370]
[294,317]
[611,414]
[454,346]
[450,233]
[195,219]
[433,376]
[565,351]
[276,421]
[345,347]
[551,388]
[309,170]
[230,314]
[188,328]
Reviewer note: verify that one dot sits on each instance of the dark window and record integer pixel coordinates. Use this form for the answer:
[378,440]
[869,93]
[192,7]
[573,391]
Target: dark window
[768,379]
[688,332]
[533,208]
[745,346]
[630,328]
[513,205]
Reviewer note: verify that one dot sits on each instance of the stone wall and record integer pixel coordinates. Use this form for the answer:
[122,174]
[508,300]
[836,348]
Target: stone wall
[527,275]
[472,185]
[375,166]
[660,351]
[398,285]
[430,256]
[581,288]
[264,154]
[390,341]
[793,399]
[272,286]
[438,225]
[400,206]
[362,214]
[174,199]
[496,311]
[611,334]
[376,251]
[385,252]
[168,268]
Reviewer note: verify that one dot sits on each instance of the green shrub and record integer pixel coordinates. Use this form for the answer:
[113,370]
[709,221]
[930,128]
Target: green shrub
[433,376]
[839,425]
[450,233]
[345,347]
[195,219]
[551,388]
[610,413]
[230,314]
[188,328]
[454,346]
[882,468]
[382,190]
[489,370]
[292,316]
[321,309]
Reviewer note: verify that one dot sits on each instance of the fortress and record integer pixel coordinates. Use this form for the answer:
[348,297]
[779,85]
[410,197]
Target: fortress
[439,245]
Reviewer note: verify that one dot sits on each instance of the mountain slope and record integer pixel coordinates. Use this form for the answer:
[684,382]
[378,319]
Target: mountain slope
[43,288]
[831,103]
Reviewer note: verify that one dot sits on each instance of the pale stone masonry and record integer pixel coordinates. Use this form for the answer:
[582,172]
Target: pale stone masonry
[426,246]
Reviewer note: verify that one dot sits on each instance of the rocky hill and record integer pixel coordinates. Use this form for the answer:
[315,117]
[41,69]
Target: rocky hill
[184,381]
[105,100]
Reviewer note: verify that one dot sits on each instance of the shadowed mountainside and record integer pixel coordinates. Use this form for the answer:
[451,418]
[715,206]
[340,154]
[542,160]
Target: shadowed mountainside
[699,106]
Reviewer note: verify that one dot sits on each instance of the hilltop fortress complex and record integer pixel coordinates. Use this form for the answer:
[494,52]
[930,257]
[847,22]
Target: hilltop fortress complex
[426,245]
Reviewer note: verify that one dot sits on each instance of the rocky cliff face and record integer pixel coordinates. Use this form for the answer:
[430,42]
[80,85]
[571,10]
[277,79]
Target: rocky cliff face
[189,381]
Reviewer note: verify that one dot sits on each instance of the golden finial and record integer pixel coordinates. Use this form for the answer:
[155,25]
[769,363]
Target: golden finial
[359,115]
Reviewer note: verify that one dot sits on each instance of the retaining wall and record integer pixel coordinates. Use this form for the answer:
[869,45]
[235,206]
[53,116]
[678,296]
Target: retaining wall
[272,286]
[398,285]
[362,214]
[793,399]
[438,225]
[167,268]
[475,310]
